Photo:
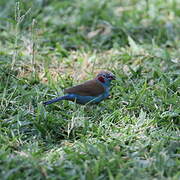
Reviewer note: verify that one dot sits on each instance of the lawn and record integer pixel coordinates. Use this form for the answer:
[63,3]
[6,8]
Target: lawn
[47,46]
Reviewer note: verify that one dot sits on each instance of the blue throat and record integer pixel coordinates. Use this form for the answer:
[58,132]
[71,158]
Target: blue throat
[106,84]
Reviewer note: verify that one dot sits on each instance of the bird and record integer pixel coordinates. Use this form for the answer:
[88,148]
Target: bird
[89,92]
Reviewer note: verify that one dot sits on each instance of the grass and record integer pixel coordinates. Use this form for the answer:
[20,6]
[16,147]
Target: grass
[47,46]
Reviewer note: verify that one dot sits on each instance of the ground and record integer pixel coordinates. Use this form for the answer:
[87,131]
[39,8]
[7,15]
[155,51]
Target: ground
[46,46]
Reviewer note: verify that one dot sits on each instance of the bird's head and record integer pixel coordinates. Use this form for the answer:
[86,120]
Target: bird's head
[105,77]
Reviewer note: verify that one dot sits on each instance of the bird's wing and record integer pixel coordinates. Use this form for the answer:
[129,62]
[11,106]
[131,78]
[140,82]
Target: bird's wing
[89,88]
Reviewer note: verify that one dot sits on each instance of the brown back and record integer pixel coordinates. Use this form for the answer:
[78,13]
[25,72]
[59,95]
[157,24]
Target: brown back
[89,88]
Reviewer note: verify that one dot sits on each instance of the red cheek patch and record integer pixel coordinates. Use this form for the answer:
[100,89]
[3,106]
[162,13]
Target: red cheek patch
[101,79]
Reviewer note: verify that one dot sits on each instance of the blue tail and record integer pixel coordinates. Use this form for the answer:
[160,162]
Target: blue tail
[70,97]
[55,100]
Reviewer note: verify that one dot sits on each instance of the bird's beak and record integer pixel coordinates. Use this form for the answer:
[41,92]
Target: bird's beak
[113,77]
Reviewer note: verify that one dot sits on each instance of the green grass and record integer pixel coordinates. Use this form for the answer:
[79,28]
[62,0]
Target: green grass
[47,46]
